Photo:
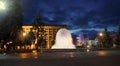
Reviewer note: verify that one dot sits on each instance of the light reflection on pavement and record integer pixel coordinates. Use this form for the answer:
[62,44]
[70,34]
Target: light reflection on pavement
[52,55]
[91,58]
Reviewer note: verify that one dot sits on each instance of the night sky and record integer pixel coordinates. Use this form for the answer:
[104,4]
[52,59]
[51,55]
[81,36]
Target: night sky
[76,14]
[79,15]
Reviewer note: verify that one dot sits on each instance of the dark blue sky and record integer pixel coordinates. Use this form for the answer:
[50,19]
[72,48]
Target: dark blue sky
[87,16]
[78,15]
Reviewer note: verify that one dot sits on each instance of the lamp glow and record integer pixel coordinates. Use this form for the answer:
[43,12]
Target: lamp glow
[2,5]
[24,34]
[101,34]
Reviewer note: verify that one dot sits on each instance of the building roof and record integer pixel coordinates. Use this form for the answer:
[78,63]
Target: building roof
[45,25]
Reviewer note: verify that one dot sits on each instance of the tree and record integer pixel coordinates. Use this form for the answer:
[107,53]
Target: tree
[40,32]
[29,38]
[13,20]
[106,40]
[16,19]
[117,40]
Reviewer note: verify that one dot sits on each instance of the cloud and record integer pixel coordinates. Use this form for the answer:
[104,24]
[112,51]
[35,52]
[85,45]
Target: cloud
[76,14]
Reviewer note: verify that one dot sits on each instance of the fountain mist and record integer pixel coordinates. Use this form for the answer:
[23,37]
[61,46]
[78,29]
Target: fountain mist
[63,40]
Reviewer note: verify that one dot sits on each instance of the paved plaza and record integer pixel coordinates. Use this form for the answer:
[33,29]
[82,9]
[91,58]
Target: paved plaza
[89,58]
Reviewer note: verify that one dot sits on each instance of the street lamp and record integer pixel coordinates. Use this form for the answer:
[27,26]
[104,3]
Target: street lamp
[100,34]
[24,34]
[2,5]
[101,37]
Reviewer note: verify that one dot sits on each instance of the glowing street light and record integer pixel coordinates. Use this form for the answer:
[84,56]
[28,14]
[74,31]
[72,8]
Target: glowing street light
[100,34]
[24,34]
[2,5]
[101,38]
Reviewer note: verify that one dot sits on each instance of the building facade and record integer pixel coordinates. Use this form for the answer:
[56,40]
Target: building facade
[50,33]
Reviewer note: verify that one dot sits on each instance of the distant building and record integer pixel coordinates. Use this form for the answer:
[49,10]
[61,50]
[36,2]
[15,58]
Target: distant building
[92,43]
[50,31]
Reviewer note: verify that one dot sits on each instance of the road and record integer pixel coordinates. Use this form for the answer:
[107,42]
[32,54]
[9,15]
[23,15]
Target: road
[92,58]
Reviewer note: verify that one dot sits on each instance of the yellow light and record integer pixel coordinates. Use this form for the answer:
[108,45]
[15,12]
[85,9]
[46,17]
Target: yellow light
[101,34]
[34,51]
[23,55]
[88,46]
[35,54]
[2,5]
[10,42]
[32,46]
[102,53]
[24,34]
[18,47]
[88,50]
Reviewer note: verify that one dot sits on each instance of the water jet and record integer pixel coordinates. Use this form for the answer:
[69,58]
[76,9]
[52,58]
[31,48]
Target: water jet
[63,40]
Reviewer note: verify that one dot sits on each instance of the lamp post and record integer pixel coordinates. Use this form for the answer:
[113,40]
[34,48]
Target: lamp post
[24,39]
[24,36]
[101,36]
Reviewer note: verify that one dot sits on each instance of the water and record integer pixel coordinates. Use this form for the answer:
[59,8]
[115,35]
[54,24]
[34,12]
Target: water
[63,40]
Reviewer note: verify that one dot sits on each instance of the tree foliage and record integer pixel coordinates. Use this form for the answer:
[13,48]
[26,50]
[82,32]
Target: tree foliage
[29,38]
[13,21]
[106,40]
[117,40]
[40,32]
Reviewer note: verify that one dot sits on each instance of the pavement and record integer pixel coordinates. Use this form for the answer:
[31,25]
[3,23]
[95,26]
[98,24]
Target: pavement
[88,58]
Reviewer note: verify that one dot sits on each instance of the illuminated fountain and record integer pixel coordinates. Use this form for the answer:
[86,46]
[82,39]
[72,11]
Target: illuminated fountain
[63,40]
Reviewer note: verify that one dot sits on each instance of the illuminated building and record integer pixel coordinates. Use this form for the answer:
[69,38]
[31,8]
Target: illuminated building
[50,32]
